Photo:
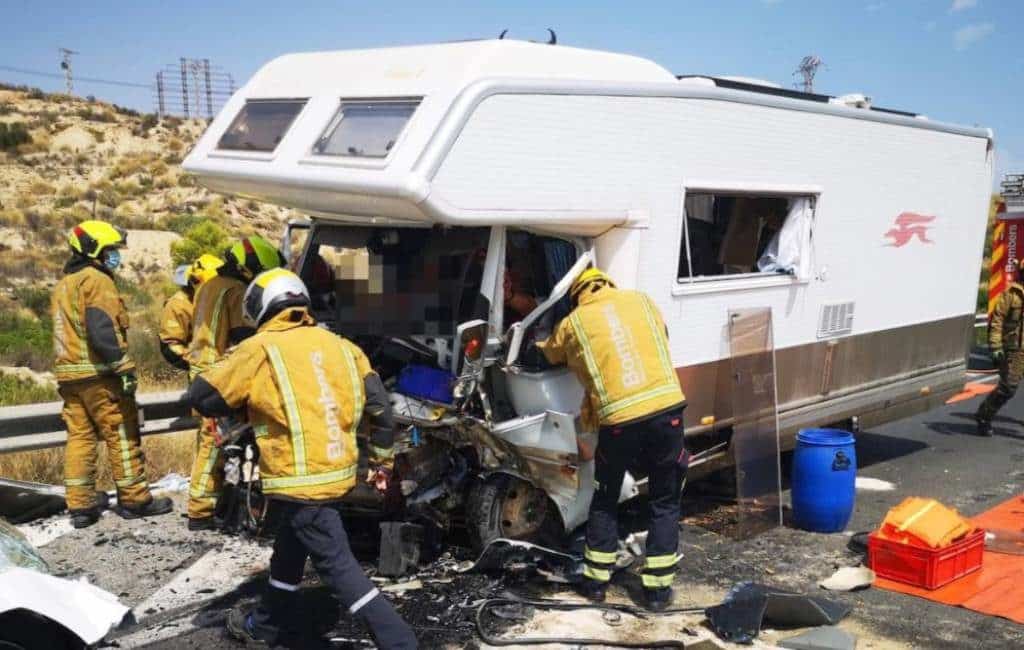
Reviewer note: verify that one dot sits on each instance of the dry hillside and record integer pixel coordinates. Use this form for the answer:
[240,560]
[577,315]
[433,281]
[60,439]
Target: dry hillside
[65,159]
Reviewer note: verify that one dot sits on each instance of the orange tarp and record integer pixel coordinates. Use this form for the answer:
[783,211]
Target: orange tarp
[998,587]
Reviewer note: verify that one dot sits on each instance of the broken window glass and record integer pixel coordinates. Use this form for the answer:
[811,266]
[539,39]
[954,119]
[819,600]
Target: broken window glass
[736,235]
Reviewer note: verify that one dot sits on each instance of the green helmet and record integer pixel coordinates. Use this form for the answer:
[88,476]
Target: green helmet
[253,255]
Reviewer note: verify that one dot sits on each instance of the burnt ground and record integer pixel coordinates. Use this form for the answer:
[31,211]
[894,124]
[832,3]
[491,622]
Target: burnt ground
[933,455]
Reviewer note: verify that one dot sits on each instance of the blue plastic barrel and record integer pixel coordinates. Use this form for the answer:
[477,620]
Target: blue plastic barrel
[824,474]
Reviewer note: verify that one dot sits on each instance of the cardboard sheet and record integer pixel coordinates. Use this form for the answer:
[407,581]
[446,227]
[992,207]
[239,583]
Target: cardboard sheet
[997,588]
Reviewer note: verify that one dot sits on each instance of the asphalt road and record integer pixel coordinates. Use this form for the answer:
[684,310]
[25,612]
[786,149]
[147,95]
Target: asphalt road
[934,455]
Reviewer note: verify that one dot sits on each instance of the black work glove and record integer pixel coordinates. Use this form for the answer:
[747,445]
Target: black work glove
[129,384]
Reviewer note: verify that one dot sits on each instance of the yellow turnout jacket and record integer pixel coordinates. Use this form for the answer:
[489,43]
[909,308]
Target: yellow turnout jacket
[615,343]
[217,312]
[176,327]
[90,325]
[302,388]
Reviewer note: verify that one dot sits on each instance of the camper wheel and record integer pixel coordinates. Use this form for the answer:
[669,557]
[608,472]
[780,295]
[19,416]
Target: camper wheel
[506,506]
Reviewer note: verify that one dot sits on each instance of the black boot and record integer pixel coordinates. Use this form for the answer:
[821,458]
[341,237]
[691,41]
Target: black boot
[157,506]
[659,599]
[984,427]
[201,523]
[242,628]
[84,518]
[89,516]
[592,590]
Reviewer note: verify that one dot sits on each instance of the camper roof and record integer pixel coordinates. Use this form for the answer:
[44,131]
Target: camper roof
[363,134]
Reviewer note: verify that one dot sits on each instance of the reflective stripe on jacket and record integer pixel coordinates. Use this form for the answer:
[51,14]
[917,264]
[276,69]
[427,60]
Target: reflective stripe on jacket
[176,324]
[1004,331]
[303,391]
[217,310]
[615,343]
[90,325]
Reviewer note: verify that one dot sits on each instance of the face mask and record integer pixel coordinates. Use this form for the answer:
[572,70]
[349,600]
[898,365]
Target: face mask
[112,259]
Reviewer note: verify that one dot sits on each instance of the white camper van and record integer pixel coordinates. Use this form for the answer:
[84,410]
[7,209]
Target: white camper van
[454,190]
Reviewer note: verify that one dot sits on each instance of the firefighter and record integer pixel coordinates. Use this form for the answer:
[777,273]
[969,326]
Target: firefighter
[217,324]
[176,320]
[96,379]
[305,390]
[616,343]
[1005,343]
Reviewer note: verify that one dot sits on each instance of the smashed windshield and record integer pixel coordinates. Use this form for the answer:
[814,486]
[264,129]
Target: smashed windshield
[396,281]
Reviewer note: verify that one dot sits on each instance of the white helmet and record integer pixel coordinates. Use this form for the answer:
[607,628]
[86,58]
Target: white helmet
[273,290]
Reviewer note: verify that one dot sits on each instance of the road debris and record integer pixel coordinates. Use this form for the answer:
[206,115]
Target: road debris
[822,638]
[749,606]
[873,484]
[849,578]
[88,611]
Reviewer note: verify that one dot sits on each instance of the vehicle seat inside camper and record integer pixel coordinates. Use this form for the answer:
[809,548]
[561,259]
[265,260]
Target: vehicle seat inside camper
[533,264]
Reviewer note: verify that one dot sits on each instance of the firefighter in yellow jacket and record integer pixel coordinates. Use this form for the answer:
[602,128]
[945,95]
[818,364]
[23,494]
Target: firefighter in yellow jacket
[305,390]
[96,379]
[176,321]
[176,318]
[1006,342]
[616,344]
[218,323]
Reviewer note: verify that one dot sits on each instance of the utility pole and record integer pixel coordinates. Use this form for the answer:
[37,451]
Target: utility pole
[65,65]
[807,69]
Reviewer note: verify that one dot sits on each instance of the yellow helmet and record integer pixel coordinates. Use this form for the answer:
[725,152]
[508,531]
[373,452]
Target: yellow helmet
[253,255]
[203,269]
[589,277]
[90,238]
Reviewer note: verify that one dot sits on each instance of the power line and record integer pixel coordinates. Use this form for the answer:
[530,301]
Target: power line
[54,75]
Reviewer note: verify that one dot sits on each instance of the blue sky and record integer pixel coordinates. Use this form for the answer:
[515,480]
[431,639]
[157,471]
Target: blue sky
[954,60]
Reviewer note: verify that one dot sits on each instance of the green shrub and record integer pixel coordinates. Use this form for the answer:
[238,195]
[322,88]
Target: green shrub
[37,299]
[14,391]
[13,135]
[182,223]
[133,295]
[26,341]
[204,237]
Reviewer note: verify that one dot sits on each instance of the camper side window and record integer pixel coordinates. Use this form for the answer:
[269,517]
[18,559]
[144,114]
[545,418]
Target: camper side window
[260,125]
[365,129]
[740,235]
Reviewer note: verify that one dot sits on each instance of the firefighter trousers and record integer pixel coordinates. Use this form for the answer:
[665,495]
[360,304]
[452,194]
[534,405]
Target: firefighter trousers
[653,446]
[1010,372]
[317,532]
[207,473]
[94,410]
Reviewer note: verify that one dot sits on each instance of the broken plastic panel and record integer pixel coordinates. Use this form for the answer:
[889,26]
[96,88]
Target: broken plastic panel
[755,438]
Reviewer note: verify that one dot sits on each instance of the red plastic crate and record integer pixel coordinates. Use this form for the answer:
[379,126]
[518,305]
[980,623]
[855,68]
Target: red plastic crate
[926,567]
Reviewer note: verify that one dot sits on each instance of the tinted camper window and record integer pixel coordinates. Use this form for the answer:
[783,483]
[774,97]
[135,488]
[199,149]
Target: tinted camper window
[365,129]
[261,124]
[733,235]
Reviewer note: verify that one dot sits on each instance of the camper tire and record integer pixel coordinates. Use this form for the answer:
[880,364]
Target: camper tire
[507,506]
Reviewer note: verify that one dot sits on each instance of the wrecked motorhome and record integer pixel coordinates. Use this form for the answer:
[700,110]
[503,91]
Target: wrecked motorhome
[454,190]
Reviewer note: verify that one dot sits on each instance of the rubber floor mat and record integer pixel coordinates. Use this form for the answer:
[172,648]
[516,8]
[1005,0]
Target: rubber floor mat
[997,588]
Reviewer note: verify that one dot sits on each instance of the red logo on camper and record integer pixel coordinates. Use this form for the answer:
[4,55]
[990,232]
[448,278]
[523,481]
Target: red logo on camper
[908,226]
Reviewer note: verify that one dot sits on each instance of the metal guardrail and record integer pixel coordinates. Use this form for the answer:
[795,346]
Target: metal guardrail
[38,426]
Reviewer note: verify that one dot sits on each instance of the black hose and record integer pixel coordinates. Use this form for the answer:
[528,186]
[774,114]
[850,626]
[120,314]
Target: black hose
[564,606]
